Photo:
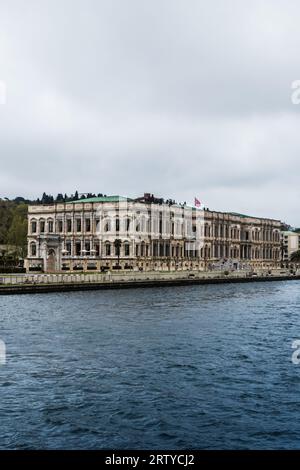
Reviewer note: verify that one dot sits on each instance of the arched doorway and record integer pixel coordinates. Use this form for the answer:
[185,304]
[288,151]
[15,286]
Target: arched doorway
[51,261]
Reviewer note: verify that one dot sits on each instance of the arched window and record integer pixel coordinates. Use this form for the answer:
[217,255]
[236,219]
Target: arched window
[126,249]
[107,249]
[33,226]
[42,226]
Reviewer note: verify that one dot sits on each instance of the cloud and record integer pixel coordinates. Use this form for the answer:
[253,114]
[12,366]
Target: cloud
[164,96]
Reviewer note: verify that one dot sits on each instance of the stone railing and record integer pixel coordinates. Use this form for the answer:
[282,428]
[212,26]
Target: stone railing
[109,277]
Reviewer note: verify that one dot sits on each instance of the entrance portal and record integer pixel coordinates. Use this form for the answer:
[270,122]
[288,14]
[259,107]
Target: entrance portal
[51,261]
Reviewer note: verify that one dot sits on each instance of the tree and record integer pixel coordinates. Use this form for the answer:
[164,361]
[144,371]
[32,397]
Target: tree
[47,199]
[60,198]
[17,233]
[295,257]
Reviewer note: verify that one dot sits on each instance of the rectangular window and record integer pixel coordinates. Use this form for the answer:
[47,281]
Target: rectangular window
[78,248]
[87,247]
[127,249]
[42,227]
[68,248]
[78,225]
[87,225]
[60,226]
[50,226]
[69,225]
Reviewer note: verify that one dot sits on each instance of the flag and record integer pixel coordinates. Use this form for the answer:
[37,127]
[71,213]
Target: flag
[197,202]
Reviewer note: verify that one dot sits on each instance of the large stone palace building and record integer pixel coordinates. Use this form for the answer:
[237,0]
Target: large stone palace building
[147,233]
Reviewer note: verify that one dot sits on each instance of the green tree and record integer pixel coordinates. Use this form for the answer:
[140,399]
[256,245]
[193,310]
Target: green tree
[17,233]
[295,257]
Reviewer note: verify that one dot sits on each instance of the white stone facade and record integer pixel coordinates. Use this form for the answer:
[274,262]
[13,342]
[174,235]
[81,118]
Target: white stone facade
[119,233]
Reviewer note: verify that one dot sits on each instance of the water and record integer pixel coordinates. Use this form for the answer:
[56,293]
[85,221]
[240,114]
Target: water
[202,367]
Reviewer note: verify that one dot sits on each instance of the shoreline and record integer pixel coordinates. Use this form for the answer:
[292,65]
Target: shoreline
[44,288]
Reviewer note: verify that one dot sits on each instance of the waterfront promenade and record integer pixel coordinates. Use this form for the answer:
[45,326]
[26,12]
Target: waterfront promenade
[42,283]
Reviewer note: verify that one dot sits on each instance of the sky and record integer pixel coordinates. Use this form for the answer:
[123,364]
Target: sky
[180,98]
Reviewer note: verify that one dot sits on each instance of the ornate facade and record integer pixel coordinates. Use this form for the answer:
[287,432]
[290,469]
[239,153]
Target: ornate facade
[146,234]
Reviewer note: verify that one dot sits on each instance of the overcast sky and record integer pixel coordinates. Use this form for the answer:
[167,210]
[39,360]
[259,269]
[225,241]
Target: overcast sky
[180,98]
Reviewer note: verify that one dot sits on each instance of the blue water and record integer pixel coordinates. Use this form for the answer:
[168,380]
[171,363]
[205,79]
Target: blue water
[202,367]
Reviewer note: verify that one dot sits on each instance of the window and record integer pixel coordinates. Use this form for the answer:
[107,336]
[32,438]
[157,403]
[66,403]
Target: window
[78,225]
[127,249]
[59,226]
[68,247]
[127,225]
[33,249]
[97,248]
[117,225]
[107,226]
[33,226]
[42,226]
[69,225]
[107,249]
[87,247]
[87,225]
[78,248]
[50,226]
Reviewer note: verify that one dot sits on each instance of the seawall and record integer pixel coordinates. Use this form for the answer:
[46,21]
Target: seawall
[140,280]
